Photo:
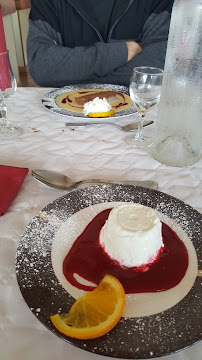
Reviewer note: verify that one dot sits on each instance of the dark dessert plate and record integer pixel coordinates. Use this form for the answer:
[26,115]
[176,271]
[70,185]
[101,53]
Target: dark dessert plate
[139,337]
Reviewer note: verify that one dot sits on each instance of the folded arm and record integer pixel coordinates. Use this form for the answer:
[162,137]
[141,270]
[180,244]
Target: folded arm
[52,64]
[154,45]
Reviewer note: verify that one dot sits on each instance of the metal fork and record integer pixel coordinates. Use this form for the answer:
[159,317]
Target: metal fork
[129,127]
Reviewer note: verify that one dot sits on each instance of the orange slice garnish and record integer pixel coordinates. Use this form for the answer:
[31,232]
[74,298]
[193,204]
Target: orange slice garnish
[95,313]
[102,114]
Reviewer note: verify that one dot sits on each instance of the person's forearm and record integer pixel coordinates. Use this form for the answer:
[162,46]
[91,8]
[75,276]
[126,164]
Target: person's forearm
[154,45]
[152,55]
[55,65]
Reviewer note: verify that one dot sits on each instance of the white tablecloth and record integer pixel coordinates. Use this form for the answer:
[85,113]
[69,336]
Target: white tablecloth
[96,151]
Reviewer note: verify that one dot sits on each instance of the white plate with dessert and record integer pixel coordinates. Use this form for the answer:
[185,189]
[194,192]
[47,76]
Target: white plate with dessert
[149,240]
[71,100]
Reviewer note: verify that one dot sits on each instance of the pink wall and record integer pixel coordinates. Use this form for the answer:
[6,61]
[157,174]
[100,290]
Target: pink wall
[7,6]
[25,4]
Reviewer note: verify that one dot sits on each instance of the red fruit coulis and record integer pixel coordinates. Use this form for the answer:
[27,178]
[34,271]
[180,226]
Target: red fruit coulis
[88,259]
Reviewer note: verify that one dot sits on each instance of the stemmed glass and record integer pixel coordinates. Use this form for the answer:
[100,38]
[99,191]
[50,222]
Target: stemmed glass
[7,87]
[145,88]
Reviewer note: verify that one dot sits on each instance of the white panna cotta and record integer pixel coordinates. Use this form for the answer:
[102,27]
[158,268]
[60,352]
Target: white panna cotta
[132,235]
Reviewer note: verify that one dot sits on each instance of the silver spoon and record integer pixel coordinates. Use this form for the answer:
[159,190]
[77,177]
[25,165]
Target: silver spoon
[129,127]
[62,182]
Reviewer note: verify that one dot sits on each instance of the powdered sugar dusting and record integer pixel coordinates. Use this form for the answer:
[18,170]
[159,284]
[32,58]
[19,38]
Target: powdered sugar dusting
[133,338]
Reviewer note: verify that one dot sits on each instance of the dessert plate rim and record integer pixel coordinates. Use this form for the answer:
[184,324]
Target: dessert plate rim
[133,338]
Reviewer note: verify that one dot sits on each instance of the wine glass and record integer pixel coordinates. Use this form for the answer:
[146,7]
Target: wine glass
[145,87]
[7,87]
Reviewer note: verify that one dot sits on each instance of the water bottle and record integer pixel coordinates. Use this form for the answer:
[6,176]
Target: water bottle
[178,129]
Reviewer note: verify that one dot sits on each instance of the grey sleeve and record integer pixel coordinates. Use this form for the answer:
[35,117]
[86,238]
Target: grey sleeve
[52,64]
[154,45]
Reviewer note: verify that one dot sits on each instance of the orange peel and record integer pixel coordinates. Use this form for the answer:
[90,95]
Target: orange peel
[101,114]
[95,313]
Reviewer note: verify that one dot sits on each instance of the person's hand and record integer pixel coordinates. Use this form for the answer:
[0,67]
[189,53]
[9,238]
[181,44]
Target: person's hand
[133,49]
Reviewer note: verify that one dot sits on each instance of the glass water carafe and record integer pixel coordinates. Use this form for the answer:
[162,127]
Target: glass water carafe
[178,129]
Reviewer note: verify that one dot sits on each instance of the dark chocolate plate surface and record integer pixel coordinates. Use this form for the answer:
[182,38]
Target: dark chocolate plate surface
[49,100]
[133,338]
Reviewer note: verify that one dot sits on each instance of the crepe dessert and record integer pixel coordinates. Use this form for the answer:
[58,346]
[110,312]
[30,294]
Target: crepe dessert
[74,100]
[132,235]
[108,95]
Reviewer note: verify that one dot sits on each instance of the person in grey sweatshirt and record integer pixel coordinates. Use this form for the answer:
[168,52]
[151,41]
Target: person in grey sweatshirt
[95,41]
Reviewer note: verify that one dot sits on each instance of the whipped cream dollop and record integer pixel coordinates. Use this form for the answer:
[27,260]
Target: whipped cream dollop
[132,235]
[96,105]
